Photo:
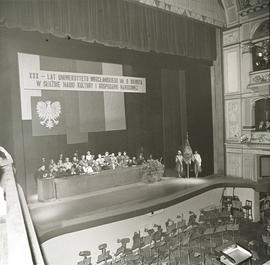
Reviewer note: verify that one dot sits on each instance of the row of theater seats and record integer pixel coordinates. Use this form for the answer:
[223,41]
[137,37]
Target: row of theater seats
[181,242]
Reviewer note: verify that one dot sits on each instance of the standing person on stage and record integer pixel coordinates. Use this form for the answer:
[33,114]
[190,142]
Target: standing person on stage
[197,160]
[179,163]
[140,159]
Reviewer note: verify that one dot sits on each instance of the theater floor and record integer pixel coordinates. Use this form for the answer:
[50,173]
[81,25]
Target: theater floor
[88,210]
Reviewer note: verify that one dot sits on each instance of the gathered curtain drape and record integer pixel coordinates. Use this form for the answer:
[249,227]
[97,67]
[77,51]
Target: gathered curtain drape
[115,23]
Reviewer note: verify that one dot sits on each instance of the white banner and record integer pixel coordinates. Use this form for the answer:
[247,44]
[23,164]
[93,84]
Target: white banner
[54,80]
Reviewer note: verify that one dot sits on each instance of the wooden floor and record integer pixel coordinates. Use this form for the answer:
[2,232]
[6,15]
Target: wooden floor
[88,210]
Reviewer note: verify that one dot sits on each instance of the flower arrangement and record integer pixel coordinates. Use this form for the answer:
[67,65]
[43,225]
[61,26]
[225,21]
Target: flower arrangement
[152,171]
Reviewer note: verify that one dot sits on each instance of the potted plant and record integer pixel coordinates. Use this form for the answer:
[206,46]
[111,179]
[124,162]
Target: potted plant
[152,171]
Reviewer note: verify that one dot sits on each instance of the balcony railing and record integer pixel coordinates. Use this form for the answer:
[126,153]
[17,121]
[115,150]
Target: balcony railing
[18,241]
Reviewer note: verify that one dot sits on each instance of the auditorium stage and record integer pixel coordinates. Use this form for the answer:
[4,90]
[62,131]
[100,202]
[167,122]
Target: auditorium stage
[75,213]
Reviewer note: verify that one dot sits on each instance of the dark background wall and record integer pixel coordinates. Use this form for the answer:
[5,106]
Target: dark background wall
[150,117]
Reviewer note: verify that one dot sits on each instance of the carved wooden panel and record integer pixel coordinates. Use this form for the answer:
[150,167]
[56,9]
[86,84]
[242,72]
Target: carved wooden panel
[233,119]
[232,70]
[246,67]
[234,164]
[247,115]
[249,166]
[232,16]
[259,78]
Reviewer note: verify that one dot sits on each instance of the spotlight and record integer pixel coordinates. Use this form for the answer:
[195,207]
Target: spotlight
[260,54]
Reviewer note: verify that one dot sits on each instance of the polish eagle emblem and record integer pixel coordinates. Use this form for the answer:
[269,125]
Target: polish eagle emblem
[48,113]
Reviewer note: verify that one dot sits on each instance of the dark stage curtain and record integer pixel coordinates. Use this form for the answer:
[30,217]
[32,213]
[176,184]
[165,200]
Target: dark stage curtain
[174,112]
[115,23]
[199,115]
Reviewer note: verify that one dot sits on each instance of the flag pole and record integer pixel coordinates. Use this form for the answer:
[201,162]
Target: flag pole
[187,154]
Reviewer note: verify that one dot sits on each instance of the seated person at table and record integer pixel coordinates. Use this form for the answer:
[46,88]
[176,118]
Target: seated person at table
[113,161]
[76,154]
[60,164]
[53,169]
[43,161]
[61,157]
[67,166]
[100,161]
[91,161]
[119,159]
[52,173]
[89,157]
[129,163]
[134,161]
[95,166]
[140,159]
[86,168]
[75,166]
[107,161]
[125,160]
[82,165]
[41,172]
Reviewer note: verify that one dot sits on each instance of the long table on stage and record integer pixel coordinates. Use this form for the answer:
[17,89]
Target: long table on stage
[78,184]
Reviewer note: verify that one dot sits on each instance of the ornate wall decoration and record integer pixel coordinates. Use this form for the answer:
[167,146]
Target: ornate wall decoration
[260,137]
[250,6]
[259,78]
[262,30]
[231,37]
[233,119]
[210,11]
[247,47]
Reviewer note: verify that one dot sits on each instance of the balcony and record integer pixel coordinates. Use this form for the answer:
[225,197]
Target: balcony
[259,79]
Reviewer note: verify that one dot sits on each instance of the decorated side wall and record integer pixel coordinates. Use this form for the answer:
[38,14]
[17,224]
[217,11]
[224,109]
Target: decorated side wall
[246,81]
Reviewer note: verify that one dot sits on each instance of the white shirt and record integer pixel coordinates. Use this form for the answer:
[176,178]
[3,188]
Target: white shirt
[198,159]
